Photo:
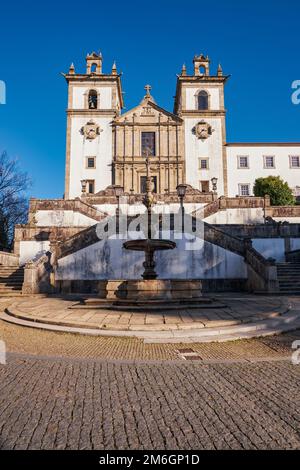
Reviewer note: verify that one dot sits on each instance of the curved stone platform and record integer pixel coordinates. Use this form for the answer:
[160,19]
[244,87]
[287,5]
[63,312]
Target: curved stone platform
[243,317]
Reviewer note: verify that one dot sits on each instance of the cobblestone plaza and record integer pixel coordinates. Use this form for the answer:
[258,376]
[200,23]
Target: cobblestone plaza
[66,391]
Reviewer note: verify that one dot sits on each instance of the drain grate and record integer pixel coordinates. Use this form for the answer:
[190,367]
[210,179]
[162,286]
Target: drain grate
[188,354]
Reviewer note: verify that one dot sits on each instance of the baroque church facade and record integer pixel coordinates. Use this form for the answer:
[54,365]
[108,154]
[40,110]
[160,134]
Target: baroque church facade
[107,147]
[106,154]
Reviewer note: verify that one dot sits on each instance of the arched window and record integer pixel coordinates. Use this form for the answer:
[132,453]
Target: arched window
[93,99]
[202,70]
[202,100]
[93,68]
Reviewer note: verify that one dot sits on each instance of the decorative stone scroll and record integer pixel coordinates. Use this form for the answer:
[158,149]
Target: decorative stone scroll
[203,130]
[91,130]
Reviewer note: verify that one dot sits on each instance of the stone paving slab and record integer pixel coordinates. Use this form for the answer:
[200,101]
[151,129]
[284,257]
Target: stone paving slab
[270,315]
[61,312]
[58,343]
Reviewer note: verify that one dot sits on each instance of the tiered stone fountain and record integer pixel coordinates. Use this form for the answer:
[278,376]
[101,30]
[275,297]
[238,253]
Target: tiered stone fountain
[148,293]
[151,291]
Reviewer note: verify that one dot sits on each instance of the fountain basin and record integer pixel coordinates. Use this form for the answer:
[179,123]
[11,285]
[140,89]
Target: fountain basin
[154,294]
[149,245]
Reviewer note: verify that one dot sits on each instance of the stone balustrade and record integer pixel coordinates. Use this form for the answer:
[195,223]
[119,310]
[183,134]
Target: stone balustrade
[8,259]
[75,205]
[39,276]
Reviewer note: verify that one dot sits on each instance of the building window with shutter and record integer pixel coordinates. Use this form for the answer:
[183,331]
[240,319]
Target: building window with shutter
[244,189]
[294,161]
[243,161]
[203,163]
[269,161]
[90,162]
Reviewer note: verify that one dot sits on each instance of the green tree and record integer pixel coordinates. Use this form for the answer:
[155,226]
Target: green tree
[279,191]
[13,201]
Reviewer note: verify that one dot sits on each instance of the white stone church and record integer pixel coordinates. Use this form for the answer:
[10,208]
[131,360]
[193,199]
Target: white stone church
[245,239]
[107,147]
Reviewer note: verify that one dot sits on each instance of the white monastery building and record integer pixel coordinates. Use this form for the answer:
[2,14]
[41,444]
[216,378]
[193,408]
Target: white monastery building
[107,147]
[109,154]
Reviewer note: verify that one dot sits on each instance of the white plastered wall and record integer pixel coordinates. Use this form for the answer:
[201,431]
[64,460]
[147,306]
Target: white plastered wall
[211,148]
[191,97]
[105,96]
[237,176]
[100,147]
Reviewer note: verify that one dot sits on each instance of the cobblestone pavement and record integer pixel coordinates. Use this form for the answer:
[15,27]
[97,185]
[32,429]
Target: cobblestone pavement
[48,343]
[87,404]
[66,391]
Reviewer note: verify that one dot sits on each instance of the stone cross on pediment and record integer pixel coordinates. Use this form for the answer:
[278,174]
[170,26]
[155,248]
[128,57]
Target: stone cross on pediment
[148,88]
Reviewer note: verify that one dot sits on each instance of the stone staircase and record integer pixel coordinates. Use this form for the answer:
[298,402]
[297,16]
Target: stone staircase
[289,277]
[11,280]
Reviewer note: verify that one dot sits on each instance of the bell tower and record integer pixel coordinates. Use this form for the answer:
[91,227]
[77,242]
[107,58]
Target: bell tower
[201,65]
[199,101]
[94,100]
[94,63]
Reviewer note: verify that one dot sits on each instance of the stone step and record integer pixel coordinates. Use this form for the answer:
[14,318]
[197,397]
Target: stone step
[288,273]
[291,286]
[289,291]
[11,273]
[287,322]
[10,288]
[11,294]
[10,284]
[289,278]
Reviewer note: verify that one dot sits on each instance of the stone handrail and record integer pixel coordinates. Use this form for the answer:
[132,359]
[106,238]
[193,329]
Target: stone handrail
[75,205]
[224,240]
[76,242]
[283,211]
[223,203]
[8,259]
[241,202]
[209,209]
[293,256]
[262,272]
[38,275]
[271,230]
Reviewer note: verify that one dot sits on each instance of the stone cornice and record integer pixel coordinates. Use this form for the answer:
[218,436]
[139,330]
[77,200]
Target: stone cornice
[263,144]
[203,78]
[202,114]
[191,79]
[139,160]
[92,79]
[92,112]
[118,123]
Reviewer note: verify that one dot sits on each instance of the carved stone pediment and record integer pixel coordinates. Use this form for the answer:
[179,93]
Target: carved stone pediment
[90,130]
[147,111]
[203,130]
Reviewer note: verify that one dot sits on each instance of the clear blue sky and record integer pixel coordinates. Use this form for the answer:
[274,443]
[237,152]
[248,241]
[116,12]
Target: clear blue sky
[257,42]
